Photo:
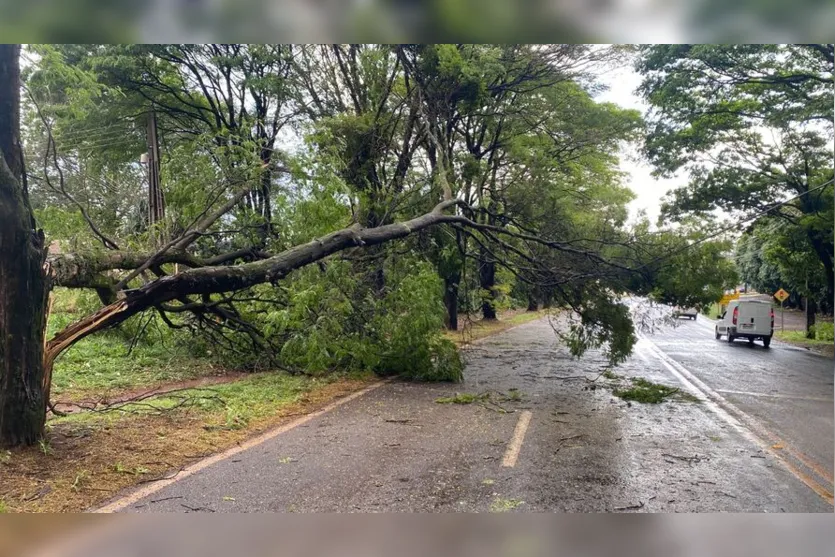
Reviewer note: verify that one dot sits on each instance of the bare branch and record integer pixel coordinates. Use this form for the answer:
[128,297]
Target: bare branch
[51,147]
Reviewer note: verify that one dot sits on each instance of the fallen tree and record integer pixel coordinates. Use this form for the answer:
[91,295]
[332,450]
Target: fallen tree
[209,268]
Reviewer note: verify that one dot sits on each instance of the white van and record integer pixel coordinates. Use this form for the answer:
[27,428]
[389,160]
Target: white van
[751,319]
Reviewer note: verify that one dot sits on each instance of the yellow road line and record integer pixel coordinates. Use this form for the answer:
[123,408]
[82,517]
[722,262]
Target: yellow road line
[512,453]
[755,430]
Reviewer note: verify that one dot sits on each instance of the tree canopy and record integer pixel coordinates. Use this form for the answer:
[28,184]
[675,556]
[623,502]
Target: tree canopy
[752,126]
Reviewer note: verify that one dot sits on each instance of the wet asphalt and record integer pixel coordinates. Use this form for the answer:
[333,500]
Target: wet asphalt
[787,391]
[396,449]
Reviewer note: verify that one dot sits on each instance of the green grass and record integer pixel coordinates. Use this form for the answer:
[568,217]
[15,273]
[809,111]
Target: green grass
[103,362]
[525,317]
[469,332]
[799,337]
[647,392]
[714,311]
[226,406]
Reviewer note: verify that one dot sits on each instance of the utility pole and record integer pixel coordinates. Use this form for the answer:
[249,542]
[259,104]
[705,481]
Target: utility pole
[156,201]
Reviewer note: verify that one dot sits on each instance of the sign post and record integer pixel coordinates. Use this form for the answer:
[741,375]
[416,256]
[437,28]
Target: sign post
[782,296]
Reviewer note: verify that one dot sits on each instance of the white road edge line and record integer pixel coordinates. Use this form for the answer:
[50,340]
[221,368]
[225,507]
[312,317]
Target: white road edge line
[763,438]
[776,395]
[512,453]
[141,493]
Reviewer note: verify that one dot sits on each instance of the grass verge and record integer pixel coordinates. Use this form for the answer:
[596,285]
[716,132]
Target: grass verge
[474,330]
[714,311]
[88,457]
[106,365]
[798,338]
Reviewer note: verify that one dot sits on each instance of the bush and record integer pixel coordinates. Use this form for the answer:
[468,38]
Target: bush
[824,331]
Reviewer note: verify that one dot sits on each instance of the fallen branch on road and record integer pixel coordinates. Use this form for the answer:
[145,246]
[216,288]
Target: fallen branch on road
[640,505]
[688,459]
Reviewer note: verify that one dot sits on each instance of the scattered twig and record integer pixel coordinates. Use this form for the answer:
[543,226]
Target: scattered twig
[197,509]
[38,494]
[166,499]
[55,411]
[126,404]
[640,505]
[163,477]
[498,408]
[406,421]
[688,459]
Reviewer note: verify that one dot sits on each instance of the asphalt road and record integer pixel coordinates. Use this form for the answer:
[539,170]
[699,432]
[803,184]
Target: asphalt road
[551,437]
[784,393]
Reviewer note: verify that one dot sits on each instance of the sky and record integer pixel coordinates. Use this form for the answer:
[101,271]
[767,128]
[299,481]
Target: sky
[622,83]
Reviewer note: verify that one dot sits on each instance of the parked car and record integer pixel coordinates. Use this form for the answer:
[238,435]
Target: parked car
[690,313]
[750,319]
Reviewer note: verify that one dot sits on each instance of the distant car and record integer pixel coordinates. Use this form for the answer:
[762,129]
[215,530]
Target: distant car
[690,313]
[749,319]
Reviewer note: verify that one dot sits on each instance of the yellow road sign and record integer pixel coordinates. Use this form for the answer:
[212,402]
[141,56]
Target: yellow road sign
[726,299]
[781,295]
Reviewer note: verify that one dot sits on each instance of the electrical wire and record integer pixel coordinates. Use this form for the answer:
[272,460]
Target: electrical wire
[737,224]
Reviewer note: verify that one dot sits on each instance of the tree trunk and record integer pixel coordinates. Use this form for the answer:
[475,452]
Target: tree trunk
[487,278]
[810,317]
[533,303]
[23,281]
[824,251]
[451,301]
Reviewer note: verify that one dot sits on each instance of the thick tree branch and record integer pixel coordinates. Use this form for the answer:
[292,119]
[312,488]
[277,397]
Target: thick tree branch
[208,280]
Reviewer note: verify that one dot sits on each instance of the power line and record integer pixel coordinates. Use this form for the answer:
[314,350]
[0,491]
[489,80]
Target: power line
[737,224]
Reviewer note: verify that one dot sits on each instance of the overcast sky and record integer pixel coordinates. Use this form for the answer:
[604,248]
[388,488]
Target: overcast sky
[622,83]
